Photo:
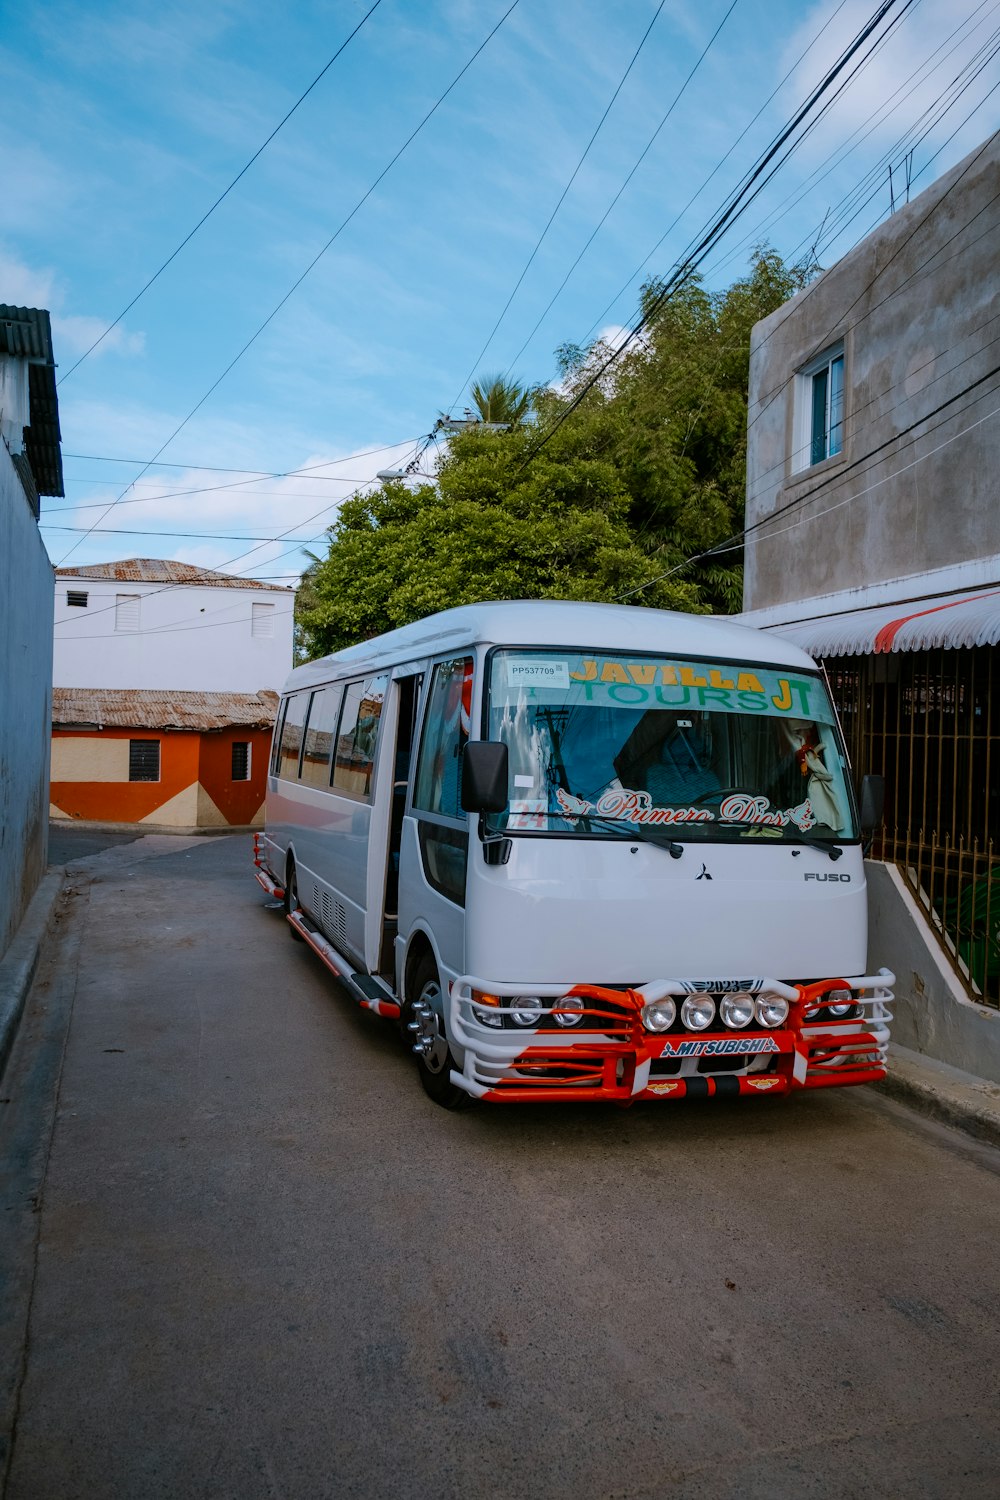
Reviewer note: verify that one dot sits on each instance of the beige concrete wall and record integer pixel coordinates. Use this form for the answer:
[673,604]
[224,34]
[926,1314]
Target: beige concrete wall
[917,305]
[181,811]
[87,757]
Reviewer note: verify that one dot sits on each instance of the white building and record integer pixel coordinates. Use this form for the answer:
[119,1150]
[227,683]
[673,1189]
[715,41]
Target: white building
[149,624]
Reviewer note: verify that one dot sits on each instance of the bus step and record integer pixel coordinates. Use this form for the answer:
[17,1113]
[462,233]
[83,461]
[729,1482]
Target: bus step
[378,996]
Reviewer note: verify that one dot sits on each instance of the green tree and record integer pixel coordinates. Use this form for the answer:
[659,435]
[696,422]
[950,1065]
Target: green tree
[500,400]
[589,501]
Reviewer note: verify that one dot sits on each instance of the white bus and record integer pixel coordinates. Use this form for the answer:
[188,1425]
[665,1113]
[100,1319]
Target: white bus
[582,851]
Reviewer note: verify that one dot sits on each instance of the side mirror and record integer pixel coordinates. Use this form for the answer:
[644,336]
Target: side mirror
[872,802]
[484,777]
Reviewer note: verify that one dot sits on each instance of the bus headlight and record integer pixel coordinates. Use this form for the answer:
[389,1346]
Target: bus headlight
[772,1010]
[660,1015]
[568,1011]
[736,1010]
[526,1011]
[698,1012]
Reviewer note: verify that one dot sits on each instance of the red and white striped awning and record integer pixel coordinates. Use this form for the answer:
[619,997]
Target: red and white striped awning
[949,620]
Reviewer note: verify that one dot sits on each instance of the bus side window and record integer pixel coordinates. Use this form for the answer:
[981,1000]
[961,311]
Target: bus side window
[318,743]
[291,737]
[446,730]
[354,757]
[276,741]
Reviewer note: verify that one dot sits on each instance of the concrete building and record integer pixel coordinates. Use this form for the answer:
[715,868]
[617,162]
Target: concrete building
[873,541]
[166,685]
[30,465]
[153,623]
[168,760]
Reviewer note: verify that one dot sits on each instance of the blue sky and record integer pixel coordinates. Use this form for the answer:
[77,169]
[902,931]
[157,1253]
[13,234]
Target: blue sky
[123,123]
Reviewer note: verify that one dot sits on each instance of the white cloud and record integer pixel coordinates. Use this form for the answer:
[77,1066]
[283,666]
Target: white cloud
[28,286]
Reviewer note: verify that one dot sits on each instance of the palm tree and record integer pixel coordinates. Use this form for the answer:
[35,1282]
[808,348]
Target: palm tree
[499,400]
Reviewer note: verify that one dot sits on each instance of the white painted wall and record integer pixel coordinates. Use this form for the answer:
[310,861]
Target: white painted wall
[191,637]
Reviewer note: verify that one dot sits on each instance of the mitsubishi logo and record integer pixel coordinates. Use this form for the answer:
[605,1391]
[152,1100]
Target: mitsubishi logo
[704,874]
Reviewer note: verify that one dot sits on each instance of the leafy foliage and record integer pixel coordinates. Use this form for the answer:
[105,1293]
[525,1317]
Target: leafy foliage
[644,473]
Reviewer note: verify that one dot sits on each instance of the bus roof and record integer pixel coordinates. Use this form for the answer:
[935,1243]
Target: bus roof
[554,623]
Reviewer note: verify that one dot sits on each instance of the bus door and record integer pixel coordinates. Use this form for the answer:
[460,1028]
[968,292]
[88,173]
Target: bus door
[434,849]
[402,723]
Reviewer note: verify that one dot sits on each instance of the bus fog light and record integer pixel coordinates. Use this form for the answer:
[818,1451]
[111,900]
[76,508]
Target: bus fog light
[526,1010]
[660,1015]
[736,1010]
[698,1012]
[772,1010]
[568,1011]
[840,1003]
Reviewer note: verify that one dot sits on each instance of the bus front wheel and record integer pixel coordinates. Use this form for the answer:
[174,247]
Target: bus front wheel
[423,1028]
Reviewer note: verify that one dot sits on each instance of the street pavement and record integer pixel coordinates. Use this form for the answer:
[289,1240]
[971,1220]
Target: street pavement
[251,1259]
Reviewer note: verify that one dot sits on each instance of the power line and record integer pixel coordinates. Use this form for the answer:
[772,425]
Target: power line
[225,194]
[316,258]
[559,204]
[738,202]
[163,463]
[635,167]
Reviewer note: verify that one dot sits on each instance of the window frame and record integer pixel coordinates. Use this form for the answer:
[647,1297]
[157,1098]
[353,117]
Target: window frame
[804,433]
[248,746]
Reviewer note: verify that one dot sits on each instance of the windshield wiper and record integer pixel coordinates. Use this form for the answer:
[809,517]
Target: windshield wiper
[621,825]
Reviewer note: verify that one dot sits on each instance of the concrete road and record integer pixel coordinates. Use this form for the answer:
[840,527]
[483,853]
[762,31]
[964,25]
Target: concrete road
[255,1261]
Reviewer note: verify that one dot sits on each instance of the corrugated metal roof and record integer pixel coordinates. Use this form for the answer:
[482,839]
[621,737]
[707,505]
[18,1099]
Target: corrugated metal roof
[165,570]
[947,620]
[26,333]
[116,708]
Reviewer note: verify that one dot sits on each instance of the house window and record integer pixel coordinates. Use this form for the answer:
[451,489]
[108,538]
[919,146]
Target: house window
[262,621]
[77,598]
[241,760]
[143,760]
[127,612]
[820,409]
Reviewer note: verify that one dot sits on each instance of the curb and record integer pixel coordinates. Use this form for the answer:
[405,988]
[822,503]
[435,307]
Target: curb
[943,1094]
[18,965]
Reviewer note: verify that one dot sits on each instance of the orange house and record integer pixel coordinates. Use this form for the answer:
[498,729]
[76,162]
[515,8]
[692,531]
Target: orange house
[173,760]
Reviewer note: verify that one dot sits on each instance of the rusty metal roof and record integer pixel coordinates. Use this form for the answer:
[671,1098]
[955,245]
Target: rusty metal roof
[26,333]
[116,708]
[166,570]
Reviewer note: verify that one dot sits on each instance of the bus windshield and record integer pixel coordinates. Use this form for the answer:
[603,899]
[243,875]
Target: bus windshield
[682,748]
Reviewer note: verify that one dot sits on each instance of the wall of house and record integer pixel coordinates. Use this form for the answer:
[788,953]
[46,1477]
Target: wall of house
[195,789]
[25,700]
[917,305]
[192,638]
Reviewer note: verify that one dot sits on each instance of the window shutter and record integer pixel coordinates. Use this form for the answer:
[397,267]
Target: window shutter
[262,620]
[127,612]
[241,760]
[143,760]
[77,598]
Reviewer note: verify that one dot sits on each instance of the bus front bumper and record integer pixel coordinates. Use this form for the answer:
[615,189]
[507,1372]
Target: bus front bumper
[607,1054]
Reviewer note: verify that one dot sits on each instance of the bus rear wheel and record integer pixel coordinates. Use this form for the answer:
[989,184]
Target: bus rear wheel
[423,1028]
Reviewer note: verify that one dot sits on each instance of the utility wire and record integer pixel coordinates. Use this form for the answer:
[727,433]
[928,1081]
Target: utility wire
[636,165]
[225,194]
[562,198]
[739,200]
[315,261]
[163,463]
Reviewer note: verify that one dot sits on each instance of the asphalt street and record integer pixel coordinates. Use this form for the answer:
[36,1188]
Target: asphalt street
[246,1257]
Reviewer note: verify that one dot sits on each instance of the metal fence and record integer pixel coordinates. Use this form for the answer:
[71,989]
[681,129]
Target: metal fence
[924,721]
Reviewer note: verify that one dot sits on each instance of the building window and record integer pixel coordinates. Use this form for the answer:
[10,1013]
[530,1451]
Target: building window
[77,598]
[127,612]
[241,760]
[820,409]
[143,760]
[262,621]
